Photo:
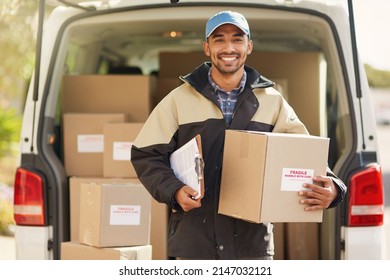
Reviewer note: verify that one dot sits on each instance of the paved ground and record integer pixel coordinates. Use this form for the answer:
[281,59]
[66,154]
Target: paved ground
[7,248]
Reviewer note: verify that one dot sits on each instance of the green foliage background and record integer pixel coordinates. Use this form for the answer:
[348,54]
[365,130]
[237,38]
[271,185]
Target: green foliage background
[17,40]
[10,123]
[6,217]
[377,78]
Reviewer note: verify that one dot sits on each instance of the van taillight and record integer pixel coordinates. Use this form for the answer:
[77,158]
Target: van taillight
[366,198]
[29,202]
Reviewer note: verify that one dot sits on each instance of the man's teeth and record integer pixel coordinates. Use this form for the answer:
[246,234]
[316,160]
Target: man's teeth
[228,58]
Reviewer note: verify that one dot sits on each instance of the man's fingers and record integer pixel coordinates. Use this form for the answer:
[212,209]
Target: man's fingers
[185,197]
[319,195]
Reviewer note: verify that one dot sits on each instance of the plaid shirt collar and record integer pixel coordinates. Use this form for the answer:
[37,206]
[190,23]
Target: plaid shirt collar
[237,90]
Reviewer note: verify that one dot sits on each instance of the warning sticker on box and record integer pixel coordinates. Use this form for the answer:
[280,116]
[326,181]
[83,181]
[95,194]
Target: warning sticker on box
[125,215]
[293,178]
[90,143]
[122,151]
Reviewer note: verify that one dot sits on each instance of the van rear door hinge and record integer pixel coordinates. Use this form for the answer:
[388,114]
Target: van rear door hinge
[342,245]
[50,244]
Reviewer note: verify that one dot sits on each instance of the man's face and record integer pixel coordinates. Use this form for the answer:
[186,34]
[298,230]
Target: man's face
[228,48]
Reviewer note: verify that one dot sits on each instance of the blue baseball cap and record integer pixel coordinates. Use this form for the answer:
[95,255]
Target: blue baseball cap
[227,17]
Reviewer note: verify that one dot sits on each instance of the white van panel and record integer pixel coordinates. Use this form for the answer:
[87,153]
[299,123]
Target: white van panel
[364,243]
[32,243]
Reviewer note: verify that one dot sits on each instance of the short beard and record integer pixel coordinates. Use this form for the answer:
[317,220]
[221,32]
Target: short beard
[230,72]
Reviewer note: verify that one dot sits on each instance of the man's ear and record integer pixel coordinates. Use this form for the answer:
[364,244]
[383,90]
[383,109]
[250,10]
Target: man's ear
[206,48]
[250,47]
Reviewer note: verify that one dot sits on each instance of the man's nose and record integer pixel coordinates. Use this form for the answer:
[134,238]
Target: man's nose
[229,46]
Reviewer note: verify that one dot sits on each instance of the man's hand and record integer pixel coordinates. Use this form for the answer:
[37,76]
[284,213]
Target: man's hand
[185,197]
[320,194]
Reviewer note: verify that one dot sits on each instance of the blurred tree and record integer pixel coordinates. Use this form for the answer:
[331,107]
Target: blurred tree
[10,123]
[17,51]
[17,41]
[377,78]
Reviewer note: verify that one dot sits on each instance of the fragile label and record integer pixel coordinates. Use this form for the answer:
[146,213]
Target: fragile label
[294,178]
[125,215]
[90,143]
[122,151]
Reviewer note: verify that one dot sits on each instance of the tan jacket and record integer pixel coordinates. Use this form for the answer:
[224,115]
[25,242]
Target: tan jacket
[193,109]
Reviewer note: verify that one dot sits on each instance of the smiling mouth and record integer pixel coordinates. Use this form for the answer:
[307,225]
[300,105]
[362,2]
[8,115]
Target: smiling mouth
[228,59]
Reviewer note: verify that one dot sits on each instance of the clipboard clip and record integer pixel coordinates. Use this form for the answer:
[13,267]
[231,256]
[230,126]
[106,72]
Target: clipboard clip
[199,166]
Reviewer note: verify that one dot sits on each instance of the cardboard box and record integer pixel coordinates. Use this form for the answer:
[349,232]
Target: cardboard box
[118,139]
[165,86]
[262,173]
[305,73]
[114,215]
[74,200]
[129,94]
[159,230]
[84,142]
[158,222]
[77,251]
[175,64]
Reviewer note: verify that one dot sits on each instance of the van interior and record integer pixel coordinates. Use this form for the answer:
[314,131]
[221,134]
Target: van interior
[127,61]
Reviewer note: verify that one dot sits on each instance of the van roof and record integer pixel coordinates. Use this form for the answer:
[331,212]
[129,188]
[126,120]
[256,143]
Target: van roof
[104,4]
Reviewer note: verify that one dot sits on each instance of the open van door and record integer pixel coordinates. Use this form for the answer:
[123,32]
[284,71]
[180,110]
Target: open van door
[41,223]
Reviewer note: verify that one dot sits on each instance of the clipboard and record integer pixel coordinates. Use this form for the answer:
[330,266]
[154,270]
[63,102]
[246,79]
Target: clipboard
[188,165]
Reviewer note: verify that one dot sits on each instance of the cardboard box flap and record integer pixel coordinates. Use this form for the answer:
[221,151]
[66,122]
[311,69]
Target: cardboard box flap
[239,161]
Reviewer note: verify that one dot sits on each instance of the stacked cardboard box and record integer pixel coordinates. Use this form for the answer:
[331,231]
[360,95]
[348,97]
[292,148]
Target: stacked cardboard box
[108,214]
[158,213]
[114,215]
[132,95]
[102,115]
[118,139]
[172,67]
[76,251]
[84,142]
[90,102]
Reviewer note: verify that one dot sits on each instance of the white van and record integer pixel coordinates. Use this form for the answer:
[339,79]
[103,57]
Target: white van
[91,51]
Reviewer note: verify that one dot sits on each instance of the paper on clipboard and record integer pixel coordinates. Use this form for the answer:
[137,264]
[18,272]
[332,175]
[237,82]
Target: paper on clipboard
[187,164]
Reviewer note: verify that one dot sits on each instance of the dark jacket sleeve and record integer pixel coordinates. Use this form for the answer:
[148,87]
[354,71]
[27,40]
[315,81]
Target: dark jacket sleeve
[151,150]
[342,188]
[154,172]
